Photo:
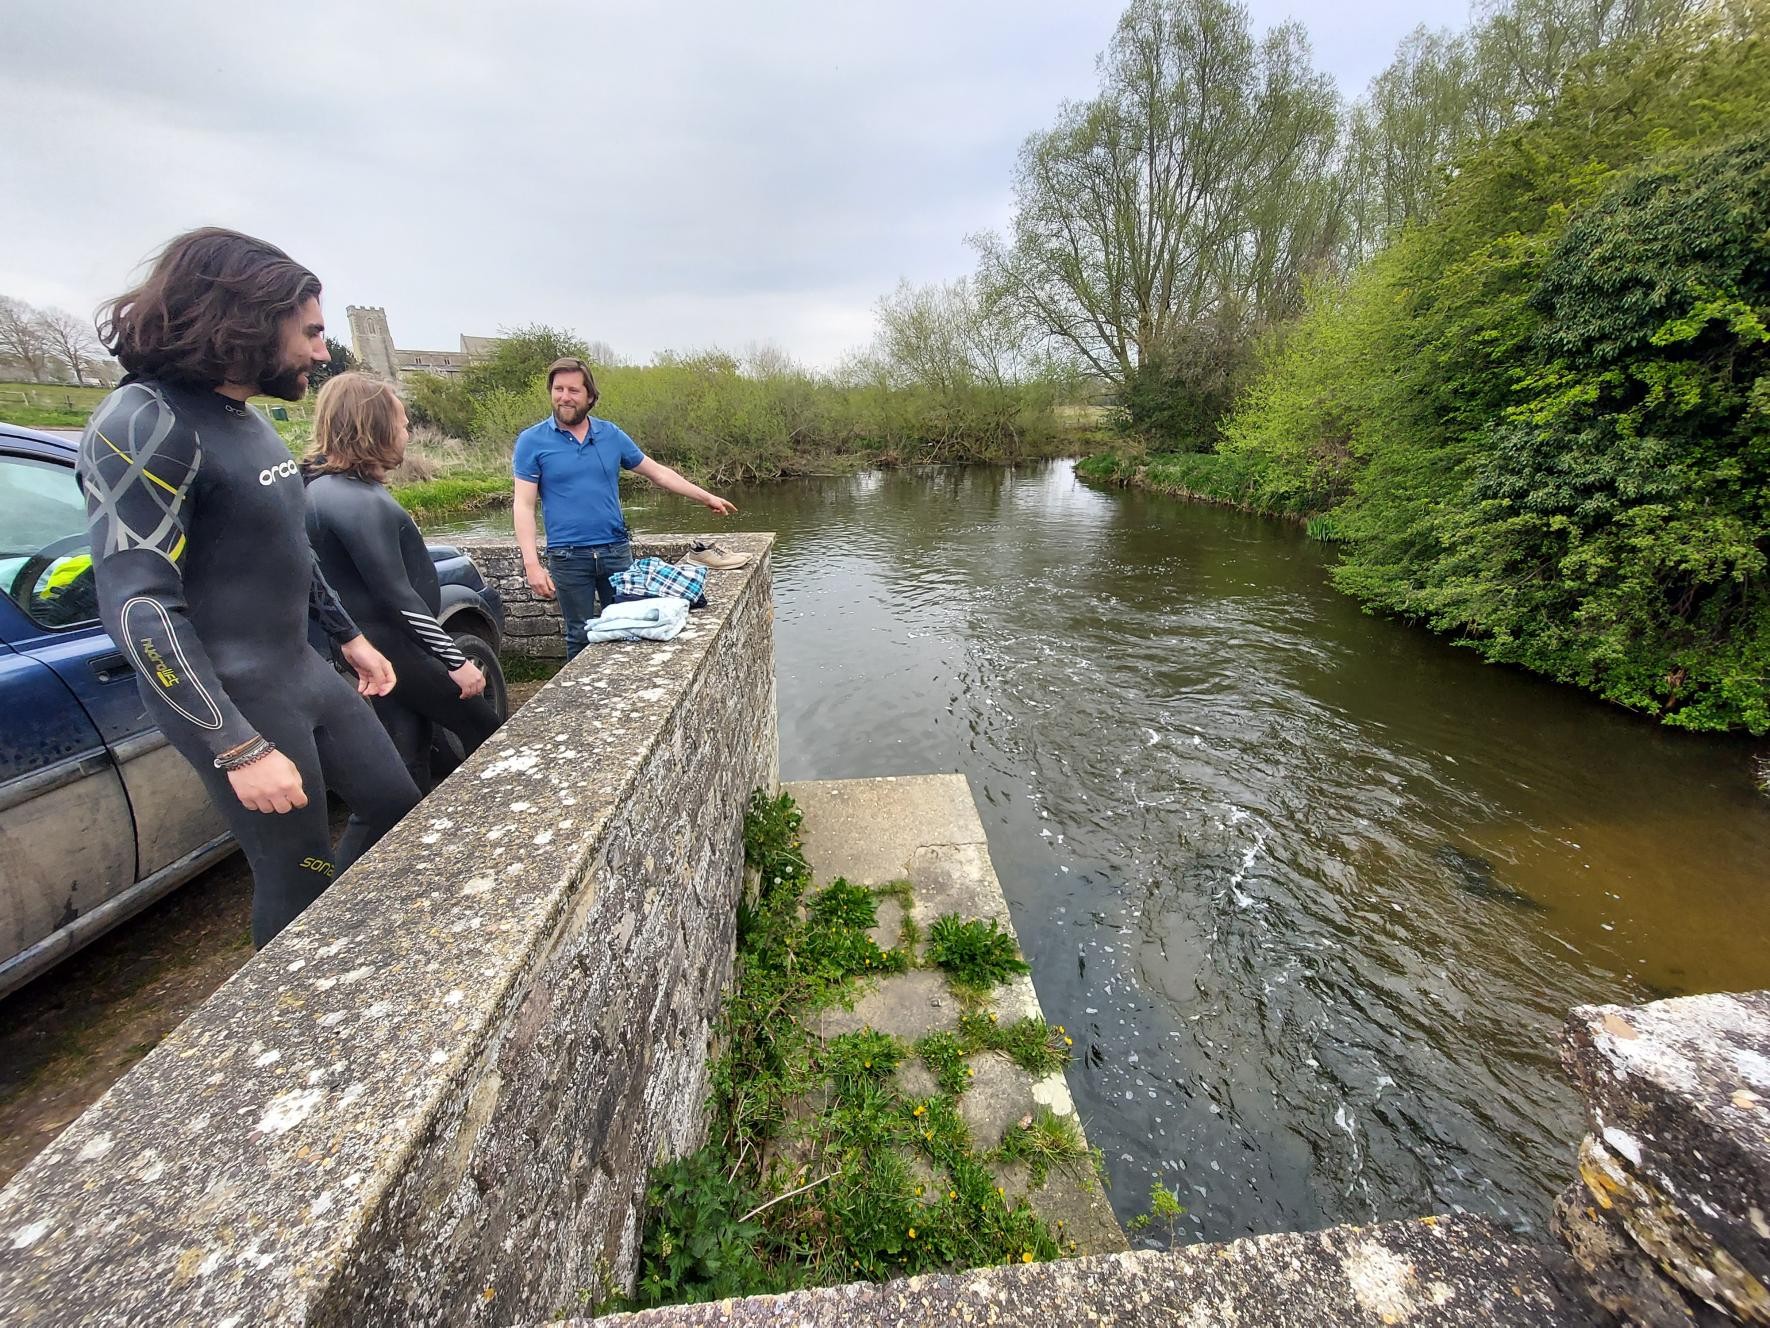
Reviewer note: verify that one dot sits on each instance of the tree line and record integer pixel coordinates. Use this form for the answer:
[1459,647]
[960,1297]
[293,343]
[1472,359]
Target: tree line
[1523,381]
[944,380]
[50,345]
[1162,226]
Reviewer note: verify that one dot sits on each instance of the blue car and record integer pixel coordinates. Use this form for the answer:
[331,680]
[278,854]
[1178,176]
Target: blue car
[99,816]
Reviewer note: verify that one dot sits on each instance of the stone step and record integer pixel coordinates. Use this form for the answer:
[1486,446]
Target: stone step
[925,829]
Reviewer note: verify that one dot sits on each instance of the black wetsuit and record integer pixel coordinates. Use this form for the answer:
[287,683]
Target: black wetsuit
[373,555]
[206,579]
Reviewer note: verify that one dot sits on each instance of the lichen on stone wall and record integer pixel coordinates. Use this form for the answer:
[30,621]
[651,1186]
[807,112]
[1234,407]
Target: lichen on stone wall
[434,1098]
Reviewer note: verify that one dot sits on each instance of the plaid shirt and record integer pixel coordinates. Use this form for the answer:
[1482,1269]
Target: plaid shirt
[654,576]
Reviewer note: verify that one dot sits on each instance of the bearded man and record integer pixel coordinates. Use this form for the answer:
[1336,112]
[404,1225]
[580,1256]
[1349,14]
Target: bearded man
[205,576]
[571,462]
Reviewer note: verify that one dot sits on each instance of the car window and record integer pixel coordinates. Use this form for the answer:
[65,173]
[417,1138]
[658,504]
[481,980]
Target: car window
[45,558]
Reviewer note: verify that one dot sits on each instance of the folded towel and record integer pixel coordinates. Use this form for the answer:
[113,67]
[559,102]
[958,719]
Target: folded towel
[639,620]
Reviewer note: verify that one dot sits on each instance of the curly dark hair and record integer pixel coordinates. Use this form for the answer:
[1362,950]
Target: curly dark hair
[209,310]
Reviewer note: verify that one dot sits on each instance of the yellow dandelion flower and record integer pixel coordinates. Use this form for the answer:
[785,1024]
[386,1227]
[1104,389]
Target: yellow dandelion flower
[912,1233]
[952,1194]
[971,1070]
[919,1191]
[1060,1028]
[1026,1256]
[992,1016]
[919,1111]
[1069,1042]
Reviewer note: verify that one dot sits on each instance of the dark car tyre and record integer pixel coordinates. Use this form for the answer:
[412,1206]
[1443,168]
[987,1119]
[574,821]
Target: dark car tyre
[445,748]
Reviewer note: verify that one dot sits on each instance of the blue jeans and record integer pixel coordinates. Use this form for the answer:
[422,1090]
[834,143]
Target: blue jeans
[582,576]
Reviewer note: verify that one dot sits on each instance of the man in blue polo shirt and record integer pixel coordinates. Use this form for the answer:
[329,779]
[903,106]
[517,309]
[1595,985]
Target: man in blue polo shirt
[572,463]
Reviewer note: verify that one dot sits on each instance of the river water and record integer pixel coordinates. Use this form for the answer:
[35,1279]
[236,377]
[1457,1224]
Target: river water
[1312,890]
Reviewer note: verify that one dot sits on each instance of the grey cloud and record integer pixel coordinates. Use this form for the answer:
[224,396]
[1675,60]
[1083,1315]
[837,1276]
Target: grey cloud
[657,176]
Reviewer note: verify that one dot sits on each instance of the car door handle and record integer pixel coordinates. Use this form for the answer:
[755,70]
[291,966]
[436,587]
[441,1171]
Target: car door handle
[108,668]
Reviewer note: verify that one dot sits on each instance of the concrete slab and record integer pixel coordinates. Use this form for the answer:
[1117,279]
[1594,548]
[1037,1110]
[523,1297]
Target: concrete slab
[955,878]
[868,829]
[925,829]
[907,1005]
[999,1097]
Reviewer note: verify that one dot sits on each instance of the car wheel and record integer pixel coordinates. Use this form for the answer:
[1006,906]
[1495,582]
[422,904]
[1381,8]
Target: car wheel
[481,652]
[446,751]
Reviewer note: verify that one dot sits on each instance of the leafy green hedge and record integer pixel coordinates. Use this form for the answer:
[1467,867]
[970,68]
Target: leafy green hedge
[1541,420]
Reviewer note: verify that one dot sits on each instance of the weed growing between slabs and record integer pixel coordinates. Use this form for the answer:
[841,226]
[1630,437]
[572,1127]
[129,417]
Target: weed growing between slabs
[807,1178]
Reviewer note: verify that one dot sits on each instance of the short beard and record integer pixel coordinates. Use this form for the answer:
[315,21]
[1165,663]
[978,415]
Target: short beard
[288,385]
[569,415]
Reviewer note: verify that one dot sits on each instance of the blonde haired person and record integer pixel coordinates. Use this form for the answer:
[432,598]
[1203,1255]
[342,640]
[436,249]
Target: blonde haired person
[370,550]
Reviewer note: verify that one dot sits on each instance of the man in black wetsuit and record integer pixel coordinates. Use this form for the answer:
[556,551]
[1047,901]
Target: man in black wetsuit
[205,576]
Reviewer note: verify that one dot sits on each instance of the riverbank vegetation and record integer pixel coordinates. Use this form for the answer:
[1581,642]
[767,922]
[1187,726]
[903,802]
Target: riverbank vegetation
[1522,382]
[944,381]
[821,1167]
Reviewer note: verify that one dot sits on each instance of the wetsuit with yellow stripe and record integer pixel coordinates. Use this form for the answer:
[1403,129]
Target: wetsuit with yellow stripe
[206,580]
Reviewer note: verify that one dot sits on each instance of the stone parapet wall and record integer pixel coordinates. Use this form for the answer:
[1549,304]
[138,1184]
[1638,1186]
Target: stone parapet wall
[1672,1221]
[531,624]
[1668,1227]
[1452,1272]
[436,1096]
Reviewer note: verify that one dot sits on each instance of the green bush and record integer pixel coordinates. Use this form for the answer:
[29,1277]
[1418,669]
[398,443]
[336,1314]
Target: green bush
[1541,419]
[442,403]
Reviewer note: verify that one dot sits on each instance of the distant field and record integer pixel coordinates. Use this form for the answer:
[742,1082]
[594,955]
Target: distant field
[57,406]
[47,405]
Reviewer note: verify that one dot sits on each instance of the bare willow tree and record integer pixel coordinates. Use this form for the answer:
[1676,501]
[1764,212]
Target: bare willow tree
[23,342]
[946,337]
[1526,47]
[1195,186]
[961,353]
[71,340]
[1421,111]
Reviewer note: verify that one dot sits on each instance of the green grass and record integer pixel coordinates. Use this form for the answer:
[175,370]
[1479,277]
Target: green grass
[1032,1044]
[48,405]
[450,494]
[37,417]
[59,406]
[818,1168]
[1047,1141]
[945,1057]
[529,668]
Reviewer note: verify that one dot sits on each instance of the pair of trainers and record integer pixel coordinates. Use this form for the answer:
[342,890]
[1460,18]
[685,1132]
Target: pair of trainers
[709,554]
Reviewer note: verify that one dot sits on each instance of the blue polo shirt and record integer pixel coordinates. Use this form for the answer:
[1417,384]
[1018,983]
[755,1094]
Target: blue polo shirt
[580,482]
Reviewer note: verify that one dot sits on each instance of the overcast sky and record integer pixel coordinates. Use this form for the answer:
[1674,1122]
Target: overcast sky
[656,176]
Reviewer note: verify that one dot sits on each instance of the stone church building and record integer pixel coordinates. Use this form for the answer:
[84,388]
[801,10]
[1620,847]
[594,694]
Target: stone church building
[372,343]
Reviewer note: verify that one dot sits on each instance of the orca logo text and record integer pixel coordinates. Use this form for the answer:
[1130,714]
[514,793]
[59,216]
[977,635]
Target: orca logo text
[271,474]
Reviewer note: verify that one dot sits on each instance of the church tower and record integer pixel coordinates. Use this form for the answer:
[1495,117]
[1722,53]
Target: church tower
[371,341]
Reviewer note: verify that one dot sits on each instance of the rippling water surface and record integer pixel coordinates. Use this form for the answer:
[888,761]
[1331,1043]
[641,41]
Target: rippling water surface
[1312,890]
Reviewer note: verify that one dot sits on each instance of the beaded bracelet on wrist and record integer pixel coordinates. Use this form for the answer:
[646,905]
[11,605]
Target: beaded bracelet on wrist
[241,757]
